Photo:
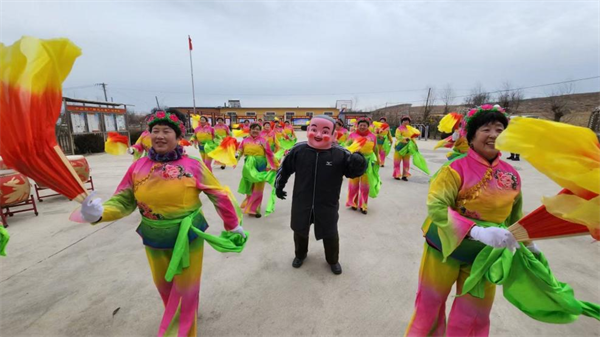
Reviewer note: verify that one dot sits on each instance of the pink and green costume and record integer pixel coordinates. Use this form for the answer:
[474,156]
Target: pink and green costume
[204,137]
[288,139]
[166,192]
[276,148]
[471,191]
[142,145]
[384,142]
[369,184]
[221,131]
[341,135]
[404,149]
[257,157]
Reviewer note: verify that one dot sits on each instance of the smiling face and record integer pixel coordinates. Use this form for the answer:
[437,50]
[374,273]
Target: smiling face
[220,121]
[267,127]
[203,121]
[363,127]
[320,133]
[164,139]
[255,131]
[405,122]
[484,142]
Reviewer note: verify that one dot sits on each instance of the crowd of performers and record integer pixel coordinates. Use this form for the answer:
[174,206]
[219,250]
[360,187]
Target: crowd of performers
[471,201]
[475,235]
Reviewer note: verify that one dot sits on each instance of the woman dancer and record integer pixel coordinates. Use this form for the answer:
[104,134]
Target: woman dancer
[203,139]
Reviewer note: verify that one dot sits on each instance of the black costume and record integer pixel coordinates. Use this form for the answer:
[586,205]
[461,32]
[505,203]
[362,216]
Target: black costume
[319,177]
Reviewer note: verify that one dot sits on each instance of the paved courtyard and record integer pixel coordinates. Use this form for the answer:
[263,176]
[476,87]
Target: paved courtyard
[67,279]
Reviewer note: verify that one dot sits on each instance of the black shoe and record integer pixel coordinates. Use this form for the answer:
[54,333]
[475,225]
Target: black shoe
[354,208]
[396,178]
[510,158]
[404,178]
[517,159]
[257,216]
[336,268]
[382,165]
[297,263]
[222,167]
[363,211]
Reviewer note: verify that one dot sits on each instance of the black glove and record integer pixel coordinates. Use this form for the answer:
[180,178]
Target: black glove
[356,165]
[281,194]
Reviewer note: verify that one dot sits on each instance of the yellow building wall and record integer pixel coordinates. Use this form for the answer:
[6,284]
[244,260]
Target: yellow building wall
[280,113]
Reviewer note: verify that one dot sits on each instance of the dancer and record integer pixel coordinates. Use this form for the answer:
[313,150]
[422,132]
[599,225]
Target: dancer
[259,167]
[404,134]
[203,139]
[165,186]
[221,131]
[319,168]
[384,140]
[476,188]
[341,133]
[289,139]
[368,184]
[269,134]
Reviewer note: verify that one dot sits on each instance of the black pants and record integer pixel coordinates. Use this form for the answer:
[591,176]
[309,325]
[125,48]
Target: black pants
[331,245]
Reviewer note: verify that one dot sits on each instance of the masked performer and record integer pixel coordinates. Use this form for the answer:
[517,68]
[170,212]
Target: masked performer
[319,168]
[368,184]
[258,162]
[165,187]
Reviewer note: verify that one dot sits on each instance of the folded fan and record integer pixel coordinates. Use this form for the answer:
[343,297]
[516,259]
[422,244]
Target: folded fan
[31,75]
[225,152]
[570,156]
[116,144]
[449,122]
[540,224]
[357,144]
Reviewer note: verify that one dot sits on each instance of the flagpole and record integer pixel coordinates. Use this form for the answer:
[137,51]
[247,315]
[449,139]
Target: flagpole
[192,72]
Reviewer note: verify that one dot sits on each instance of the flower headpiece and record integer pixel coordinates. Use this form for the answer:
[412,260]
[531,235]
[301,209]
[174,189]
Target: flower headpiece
[161,116]
[486,108]
[363,120]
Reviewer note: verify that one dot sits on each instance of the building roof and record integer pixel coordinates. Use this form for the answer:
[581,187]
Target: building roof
[76,100]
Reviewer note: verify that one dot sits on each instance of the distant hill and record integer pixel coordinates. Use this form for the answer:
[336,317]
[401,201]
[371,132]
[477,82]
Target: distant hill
[580,107]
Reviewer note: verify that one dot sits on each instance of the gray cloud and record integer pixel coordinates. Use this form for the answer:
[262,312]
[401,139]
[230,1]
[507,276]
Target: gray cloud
[309,53]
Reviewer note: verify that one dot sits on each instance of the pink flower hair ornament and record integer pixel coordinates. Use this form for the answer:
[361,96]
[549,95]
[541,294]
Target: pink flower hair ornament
[486,108]
[161,116]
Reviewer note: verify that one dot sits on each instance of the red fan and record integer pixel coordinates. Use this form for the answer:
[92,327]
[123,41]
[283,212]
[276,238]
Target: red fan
[184,142]
[32,72]
[541,225]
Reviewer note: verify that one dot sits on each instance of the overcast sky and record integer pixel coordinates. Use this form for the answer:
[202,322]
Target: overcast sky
[310,53]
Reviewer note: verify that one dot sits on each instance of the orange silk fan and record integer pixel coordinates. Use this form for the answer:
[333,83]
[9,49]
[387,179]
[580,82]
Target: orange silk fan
[31,75]
[540,225]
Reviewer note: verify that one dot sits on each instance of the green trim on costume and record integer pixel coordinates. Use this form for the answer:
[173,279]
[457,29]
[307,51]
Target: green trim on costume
[250,176]
[227,242]
[4,238]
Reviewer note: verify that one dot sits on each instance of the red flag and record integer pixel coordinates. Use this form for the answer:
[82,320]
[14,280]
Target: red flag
[190,42]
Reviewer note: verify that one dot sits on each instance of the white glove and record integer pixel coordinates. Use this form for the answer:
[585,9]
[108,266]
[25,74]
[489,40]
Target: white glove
[91,209]
[533,248]
[239,230]
[455,136]
[130,150]
[495,237]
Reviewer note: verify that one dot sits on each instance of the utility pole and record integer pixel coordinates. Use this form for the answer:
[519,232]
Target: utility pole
[157,105]
[103,85]
[426,112]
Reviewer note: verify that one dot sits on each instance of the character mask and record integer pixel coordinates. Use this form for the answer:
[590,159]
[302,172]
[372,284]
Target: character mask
[320,133]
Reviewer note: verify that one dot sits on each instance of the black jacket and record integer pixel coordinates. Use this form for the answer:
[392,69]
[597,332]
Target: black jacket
[319,176]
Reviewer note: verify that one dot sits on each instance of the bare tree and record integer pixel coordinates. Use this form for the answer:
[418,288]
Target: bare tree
[478,96]
[559,101]
[516,97]
[504,96]
[447,96]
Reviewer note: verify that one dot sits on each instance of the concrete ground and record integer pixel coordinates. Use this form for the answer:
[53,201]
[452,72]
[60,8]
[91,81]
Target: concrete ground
[67,279]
